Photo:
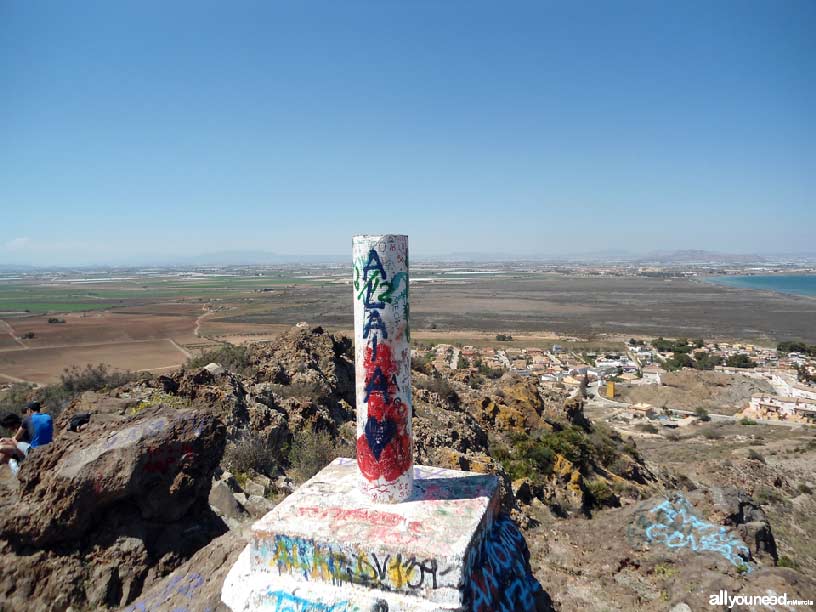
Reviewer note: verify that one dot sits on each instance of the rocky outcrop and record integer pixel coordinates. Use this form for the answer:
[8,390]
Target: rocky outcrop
[735,508]
[100,514]
[196,584]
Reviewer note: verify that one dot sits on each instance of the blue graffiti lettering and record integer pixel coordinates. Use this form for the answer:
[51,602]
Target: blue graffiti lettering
[674,524]
[286,602]
[375,266]
[502,580]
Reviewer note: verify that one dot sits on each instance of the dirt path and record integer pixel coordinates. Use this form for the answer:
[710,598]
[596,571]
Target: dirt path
[199,320]
[83,345]
[17,380]
[10,331]
[187,353]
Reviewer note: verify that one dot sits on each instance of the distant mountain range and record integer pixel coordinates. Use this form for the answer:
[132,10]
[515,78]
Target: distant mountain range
[610,256]
[239,258]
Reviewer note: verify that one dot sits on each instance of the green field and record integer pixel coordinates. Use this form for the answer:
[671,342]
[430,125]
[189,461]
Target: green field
[64,297]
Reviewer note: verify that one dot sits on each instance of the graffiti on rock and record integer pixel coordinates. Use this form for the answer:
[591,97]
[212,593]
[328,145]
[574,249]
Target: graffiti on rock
[501,580]
[160,459]
[673,523]
[183,585]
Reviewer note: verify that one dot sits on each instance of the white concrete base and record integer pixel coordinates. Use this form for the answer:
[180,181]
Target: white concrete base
[245,591]
[328,547]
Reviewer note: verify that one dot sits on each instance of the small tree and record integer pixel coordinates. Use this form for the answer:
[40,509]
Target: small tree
[739,361]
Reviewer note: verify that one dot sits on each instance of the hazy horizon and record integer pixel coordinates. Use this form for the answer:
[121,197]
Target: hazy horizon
[262,258]
[136,133]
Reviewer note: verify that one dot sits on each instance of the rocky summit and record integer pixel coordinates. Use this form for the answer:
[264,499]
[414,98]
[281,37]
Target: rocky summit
[151,504]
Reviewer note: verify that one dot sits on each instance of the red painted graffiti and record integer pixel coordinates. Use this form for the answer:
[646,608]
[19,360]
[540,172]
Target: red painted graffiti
[161,459]
[384,448]
[373,518]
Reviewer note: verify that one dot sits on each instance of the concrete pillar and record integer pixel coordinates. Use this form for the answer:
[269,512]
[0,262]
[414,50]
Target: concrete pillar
[382,356]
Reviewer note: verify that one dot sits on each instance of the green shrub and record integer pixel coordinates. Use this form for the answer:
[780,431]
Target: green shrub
[93,378]
[73,381]
[785,561]
[740,361]
[752,454]
[702,414]
[233,358]
[439,385]
[600,493]
[767,495]
[15,398]
[747,421]
[803,488]
[533,456]
[712,433]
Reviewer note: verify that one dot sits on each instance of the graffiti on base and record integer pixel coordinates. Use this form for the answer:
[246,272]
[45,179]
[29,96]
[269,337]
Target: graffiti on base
[286,602]
[674,524]
[322,562]
[501,580]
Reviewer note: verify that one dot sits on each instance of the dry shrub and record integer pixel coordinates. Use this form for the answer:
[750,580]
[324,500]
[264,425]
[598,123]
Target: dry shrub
[312,450]
[251,452]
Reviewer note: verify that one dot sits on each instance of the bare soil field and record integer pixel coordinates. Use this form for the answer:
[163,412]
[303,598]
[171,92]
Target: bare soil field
[140,337]
[689,390]
[537,309]
[44,365]
[584,307]
[108,326]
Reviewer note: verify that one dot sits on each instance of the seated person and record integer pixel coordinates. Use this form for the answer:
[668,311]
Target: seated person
[37,428]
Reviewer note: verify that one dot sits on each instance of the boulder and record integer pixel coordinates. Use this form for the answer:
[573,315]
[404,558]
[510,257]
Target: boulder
[224,502]
[258,506]
[100,515]
[216,369]
[252,487]
[160,461]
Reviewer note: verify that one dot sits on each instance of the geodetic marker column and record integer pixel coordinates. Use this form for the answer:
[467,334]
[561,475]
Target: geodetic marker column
[382,359]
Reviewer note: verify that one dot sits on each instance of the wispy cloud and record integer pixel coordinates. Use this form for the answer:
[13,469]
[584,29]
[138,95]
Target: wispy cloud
[18,244]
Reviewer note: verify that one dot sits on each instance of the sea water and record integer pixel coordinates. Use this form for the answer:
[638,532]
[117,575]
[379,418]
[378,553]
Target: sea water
[798,284]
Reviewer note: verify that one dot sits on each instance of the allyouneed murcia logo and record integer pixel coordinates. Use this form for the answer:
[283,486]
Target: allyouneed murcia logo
[729,601]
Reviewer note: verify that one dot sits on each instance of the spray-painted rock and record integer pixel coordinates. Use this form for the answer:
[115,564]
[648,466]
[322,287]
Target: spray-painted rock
[160,461]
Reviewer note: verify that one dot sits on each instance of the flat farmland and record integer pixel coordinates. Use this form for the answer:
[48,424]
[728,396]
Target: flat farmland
[584,307]
[44,365]
[109,326]
[137,338]
[148,322]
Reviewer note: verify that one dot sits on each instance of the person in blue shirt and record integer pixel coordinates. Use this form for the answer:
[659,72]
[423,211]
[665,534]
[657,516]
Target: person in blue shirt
[37,428]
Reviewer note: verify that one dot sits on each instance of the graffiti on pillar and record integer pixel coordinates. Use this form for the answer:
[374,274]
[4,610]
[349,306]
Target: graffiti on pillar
[673,523]
[384,446]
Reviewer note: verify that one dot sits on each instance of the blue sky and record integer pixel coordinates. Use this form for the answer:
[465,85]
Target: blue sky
[131,131]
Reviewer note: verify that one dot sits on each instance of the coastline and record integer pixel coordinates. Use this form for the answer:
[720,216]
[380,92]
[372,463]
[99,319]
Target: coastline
[768,283]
